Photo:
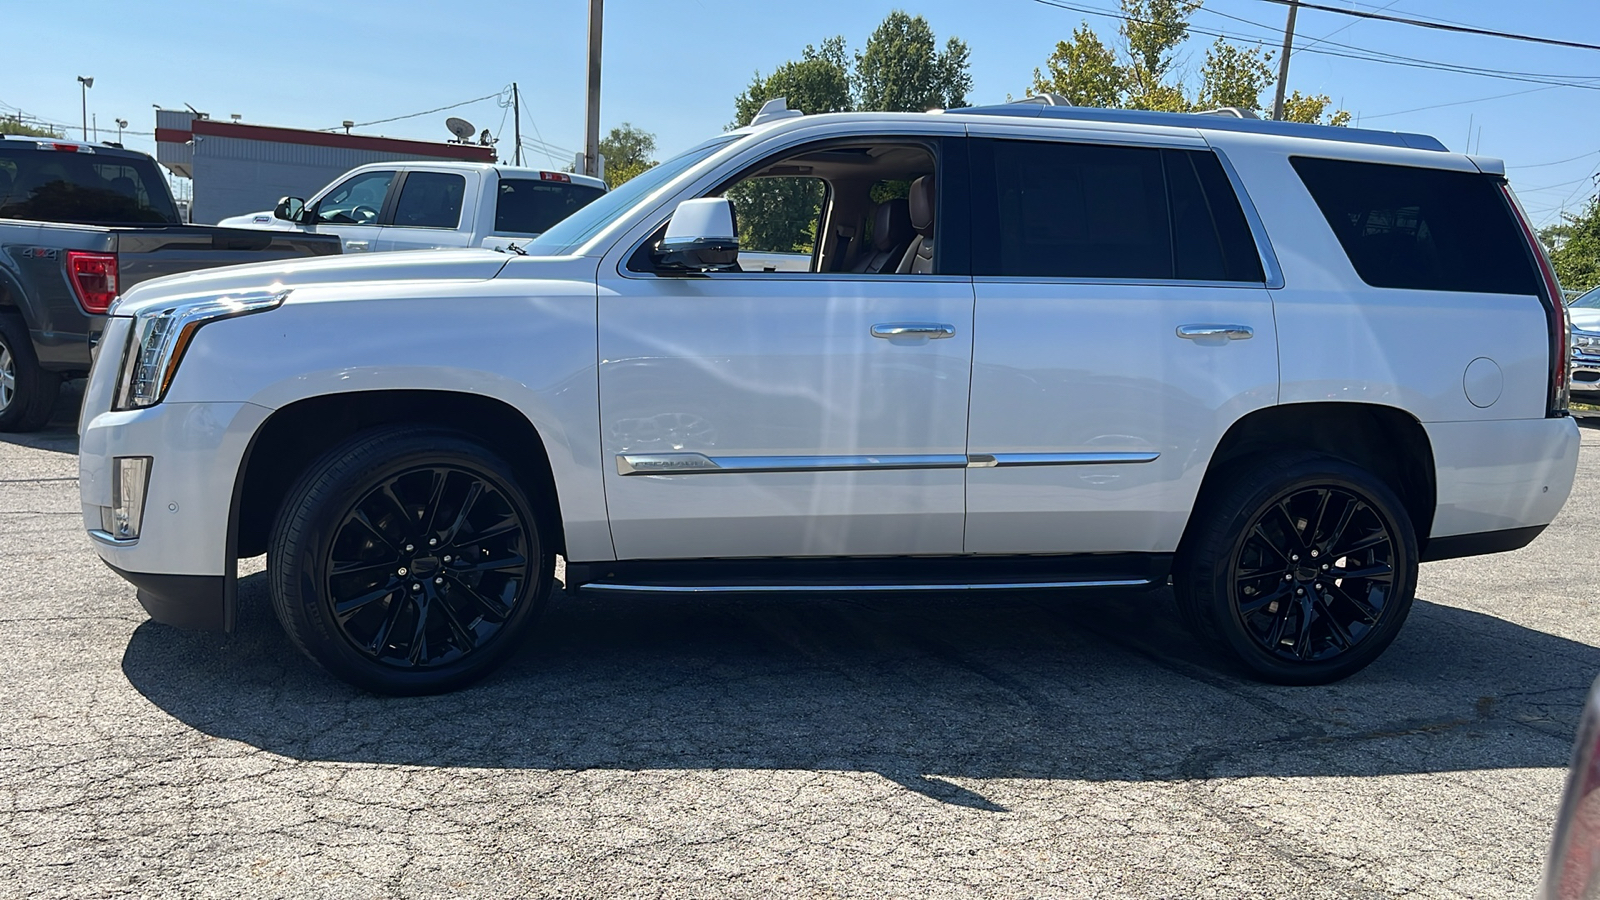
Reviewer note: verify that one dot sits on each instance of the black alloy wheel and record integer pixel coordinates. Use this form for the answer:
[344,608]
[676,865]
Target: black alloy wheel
[1300,567]
[425,556]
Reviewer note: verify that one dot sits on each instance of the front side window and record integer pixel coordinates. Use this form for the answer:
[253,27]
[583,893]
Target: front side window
[1061,210]
[430,200]
[355,202]
[1423,229]
[778,218]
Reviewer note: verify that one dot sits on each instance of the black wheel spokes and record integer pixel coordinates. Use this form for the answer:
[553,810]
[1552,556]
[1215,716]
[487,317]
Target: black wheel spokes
[1314,574]
[428,566]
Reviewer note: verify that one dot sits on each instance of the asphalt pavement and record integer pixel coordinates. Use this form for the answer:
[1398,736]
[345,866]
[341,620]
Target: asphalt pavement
[799,746]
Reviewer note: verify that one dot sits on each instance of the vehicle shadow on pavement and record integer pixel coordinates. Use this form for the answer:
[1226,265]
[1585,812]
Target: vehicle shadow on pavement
[919,689]
[60,434]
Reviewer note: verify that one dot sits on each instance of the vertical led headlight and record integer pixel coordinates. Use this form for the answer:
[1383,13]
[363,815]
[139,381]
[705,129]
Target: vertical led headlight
[162,333]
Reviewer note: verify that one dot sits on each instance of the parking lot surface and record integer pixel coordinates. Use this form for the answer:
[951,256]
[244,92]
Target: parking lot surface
[1012,746]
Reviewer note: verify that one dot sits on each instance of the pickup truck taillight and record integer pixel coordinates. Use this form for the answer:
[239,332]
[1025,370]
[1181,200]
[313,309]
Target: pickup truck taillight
[94,279]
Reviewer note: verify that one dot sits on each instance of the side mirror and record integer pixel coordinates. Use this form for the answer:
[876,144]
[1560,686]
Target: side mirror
[289,209]
[701,236]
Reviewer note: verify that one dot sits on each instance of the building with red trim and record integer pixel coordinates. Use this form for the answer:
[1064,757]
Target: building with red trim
[238,168]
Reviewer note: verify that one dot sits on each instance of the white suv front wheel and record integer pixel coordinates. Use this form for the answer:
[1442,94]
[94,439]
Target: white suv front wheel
[408,561]
[1300,567]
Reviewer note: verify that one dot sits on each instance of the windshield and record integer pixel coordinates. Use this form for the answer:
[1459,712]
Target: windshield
[88,188]
[1590,300]
[587,222]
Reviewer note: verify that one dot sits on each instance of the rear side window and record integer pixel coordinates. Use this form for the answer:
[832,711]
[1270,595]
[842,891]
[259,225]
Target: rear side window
[430,200]
[1060,210]
[531,207]
[1422,229]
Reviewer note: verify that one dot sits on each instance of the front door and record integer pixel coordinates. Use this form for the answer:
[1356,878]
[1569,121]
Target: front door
[352,210]
[1123,322]
[788,413]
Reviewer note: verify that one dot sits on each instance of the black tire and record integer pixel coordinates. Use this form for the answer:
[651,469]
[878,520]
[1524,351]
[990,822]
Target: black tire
[360,589]
[1299,567]
[27,392]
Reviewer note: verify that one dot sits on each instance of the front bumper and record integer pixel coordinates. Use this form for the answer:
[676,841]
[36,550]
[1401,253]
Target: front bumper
[182,561]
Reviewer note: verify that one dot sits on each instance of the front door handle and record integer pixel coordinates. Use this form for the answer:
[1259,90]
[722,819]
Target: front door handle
[357,246]
[1231,332]
[929,330]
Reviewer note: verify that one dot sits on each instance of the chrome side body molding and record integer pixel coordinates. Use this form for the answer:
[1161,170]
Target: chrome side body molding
[699,463]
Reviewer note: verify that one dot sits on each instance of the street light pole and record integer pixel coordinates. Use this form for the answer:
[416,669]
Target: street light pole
[121,124]
[87,82]
[591,130]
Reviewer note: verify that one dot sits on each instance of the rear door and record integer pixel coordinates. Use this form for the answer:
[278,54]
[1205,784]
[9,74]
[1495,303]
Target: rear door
[429,209]
[1122,322]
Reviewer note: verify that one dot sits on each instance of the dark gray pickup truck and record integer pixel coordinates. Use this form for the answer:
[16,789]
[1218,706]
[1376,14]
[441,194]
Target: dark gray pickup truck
[79,224]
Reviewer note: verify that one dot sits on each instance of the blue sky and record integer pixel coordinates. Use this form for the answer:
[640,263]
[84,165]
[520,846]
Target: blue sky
[674,69]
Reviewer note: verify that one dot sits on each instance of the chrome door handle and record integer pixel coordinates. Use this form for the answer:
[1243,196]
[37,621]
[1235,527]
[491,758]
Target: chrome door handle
[930,330]
[1231,332]
[358,245]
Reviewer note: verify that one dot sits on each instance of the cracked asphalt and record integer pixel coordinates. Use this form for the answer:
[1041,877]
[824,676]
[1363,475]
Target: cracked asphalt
[920,747]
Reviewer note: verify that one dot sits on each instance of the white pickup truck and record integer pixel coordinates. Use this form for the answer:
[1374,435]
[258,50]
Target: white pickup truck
[432,206]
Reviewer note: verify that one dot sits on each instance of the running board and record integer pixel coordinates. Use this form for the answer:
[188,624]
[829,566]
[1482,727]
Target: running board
[916,574]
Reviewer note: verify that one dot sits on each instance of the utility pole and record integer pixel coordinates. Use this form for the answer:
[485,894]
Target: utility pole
[1283,62]
[516,115]
[591,131]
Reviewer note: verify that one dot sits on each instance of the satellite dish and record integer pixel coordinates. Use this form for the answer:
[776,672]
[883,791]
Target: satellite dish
[461,128]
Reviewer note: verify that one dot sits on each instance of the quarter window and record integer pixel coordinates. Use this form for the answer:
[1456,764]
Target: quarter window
[430,200]
[1423,229]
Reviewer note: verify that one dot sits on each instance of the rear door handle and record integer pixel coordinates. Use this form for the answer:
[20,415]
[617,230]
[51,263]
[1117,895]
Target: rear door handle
[930,330]
[1231,332]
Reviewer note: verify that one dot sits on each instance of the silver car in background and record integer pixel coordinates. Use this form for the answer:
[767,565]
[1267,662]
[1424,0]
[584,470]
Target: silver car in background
[1584,316]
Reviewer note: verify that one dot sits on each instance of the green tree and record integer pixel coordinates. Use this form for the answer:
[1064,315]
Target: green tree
[1234,76]
[627,151]
[1313,108]
[1574,245]
[14,125]
[1145,73]
[902,70]
[817,82]
[1084,71]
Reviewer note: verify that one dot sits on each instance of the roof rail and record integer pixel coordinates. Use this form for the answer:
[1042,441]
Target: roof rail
[1215,120]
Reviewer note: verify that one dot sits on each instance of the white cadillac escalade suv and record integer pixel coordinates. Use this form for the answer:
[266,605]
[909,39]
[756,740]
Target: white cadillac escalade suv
[1027,347]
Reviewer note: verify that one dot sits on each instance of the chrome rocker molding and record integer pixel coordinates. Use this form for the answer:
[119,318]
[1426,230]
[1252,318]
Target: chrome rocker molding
[699,463]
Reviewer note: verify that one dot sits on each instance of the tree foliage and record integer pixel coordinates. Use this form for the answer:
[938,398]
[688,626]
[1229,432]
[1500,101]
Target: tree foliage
[15,126]
[900,69]
[1144,72]
[1574,245]
[627,151]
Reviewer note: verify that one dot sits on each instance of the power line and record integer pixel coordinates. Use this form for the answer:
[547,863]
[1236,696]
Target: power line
[1421,23]
[1548,87]
[1584,82]
[416,114]
[1557,162]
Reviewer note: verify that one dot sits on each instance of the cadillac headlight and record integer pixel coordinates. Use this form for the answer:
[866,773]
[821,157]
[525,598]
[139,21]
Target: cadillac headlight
[161,334]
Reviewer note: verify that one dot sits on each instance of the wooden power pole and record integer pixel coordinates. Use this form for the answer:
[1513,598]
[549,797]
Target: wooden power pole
[516,117]
[1283,62]
[591,130]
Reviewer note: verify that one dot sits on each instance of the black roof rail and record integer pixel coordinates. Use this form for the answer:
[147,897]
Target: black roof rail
[1212,120]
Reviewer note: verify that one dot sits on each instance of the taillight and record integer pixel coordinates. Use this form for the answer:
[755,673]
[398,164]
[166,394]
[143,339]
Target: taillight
[1560,338]
[555,176]
[94,279]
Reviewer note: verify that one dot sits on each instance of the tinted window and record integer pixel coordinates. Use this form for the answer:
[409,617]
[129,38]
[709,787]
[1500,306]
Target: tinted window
[1425,229]
[355,202]
[1083,211]
[64,186]
[430,200]
[526,206]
